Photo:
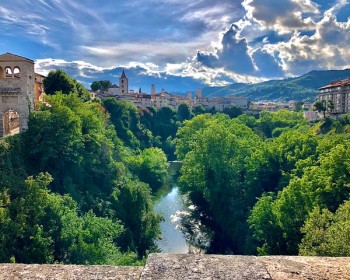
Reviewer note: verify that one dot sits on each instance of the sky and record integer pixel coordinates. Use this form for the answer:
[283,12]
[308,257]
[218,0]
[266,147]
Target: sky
[178,45]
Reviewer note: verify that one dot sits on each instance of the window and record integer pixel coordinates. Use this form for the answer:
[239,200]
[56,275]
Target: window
[16,72]
[8,72]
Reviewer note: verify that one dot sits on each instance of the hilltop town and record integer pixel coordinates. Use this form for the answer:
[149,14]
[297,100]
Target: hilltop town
[165,99]
[21,88]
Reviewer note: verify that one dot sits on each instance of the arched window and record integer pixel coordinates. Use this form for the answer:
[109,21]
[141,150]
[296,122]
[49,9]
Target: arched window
[8,72]
[1,73]
[16,72]
[10,123]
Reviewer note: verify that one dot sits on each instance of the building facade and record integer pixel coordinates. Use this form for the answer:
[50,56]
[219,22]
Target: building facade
[336,93]
[165,99]
[17,93]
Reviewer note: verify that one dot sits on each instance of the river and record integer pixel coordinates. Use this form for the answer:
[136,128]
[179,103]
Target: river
[169,203]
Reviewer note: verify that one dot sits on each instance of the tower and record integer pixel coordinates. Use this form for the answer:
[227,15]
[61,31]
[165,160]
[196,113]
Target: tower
[153,89]
[199,93]
[189,95]
[123,84]
[17,90]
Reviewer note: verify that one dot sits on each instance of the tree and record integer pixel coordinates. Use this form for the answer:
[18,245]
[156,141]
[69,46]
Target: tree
[38,226]
[59,81]
[198,110]
[322,184]
[150,166]
[327,234]
[320,106]
[183,112]
[125,118]
[133,204]
[298,106]
[233,111]
[212,177]
[102,85]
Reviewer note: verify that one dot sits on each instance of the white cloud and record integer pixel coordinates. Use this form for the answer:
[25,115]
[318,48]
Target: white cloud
[281,16]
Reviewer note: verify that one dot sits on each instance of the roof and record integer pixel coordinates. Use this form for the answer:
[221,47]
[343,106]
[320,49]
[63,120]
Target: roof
[7,57]
[123,75]
[339,83]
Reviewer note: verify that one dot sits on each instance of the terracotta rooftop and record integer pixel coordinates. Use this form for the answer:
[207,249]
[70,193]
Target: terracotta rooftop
[339,83]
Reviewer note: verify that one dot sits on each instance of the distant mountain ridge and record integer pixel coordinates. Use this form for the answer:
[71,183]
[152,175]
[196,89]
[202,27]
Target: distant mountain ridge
[303,88]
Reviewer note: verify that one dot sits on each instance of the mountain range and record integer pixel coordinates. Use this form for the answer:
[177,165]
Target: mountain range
[303,88]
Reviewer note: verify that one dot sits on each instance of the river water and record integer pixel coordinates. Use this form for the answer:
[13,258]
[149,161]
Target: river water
[169,204]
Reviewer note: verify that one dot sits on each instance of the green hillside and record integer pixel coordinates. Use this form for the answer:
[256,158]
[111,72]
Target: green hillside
[303,88]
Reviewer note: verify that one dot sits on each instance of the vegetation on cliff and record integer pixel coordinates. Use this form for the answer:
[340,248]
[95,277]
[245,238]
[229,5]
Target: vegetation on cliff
[271,185]
[77,186]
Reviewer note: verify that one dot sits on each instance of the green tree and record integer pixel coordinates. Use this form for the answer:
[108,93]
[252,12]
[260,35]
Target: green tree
[212,176]
[150,166]
[320,107]
[183,112]
[125,118]
[59,81]
[322,183]
[133,204]
[41,227]
[233,111]
[102,85]
[298,106]
[327,234]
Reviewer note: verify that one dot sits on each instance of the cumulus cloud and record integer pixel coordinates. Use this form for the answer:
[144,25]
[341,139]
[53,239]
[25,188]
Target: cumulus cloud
[277,39]
[325,48]
[203,42]
[232,54]
[235,56]
[282,16]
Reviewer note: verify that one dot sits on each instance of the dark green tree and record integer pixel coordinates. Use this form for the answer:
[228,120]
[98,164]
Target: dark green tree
[102,85]
[320,106]
[59,81]
[150,166]
[183,112]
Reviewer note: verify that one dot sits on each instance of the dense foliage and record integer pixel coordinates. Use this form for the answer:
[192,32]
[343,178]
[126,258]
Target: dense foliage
[271,185]
[59,81]
[77,186]
[67,194]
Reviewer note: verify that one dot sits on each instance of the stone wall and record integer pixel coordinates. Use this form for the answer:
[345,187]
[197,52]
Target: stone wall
[177,266]
[16,89]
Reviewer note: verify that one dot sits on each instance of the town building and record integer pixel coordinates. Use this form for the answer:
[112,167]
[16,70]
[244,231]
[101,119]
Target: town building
[337,94]
[165,99]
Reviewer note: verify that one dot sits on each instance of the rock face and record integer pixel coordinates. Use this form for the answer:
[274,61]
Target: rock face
[167,266]
[176,266]
[68,272]
[308,268]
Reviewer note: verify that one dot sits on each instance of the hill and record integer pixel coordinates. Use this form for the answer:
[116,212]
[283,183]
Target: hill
[303,88]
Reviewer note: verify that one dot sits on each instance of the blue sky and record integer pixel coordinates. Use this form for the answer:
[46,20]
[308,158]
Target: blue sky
[178,44]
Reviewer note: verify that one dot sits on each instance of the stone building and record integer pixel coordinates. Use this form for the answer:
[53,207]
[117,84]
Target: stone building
[17,92]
